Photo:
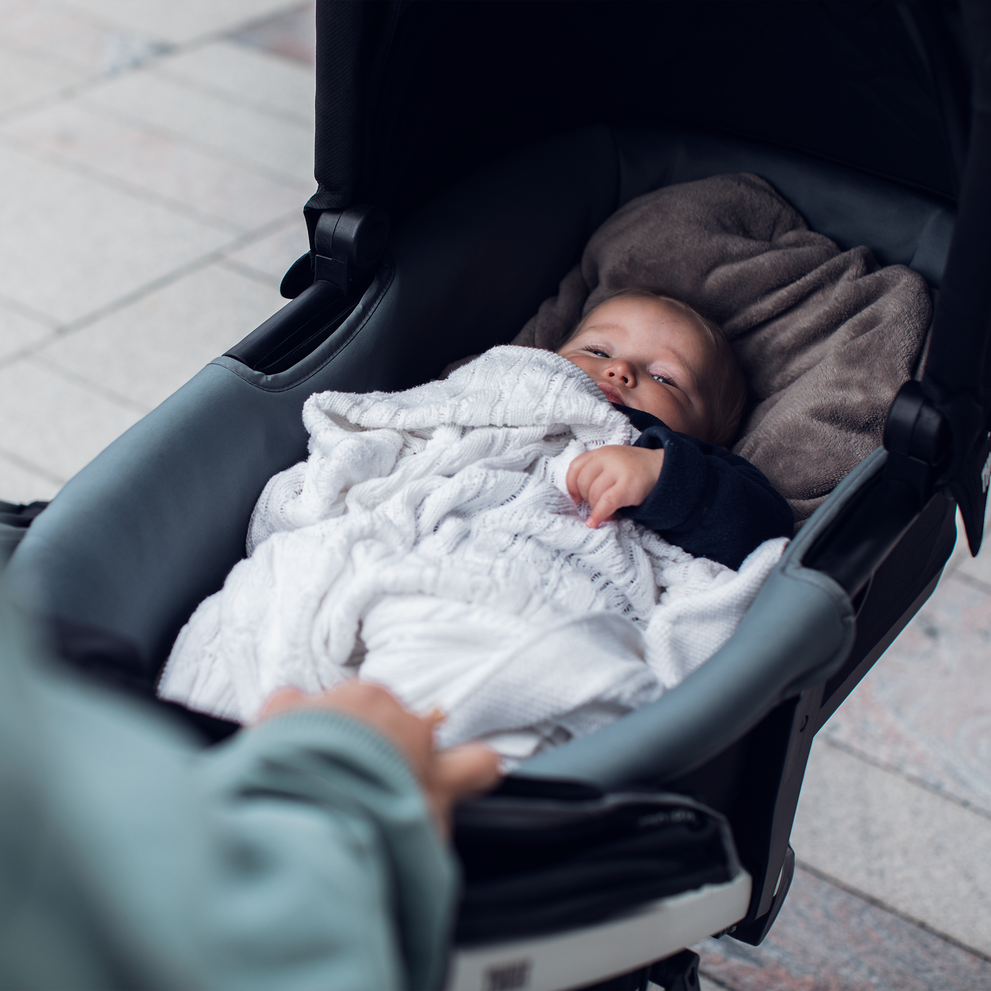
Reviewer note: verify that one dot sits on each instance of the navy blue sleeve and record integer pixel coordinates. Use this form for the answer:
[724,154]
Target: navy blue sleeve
[712,503]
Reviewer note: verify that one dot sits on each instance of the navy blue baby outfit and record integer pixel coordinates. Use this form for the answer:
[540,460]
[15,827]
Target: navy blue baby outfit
[712,503]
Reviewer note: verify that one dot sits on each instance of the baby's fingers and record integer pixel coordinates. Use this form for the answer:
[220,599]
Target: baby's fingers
[604,507]
[576,489]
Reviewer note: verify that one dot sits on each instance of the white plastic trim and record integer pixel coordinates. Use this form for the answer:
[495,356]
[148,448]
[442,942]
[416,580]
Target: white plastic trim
[579,957]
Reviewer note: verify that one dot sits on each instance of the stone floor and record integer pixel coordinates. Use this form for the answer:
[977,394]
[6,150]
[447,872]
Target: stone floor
[154,159]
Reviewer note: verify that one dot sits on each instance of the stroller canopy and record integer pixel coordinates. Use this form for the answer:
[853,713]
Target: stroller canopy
[414,95]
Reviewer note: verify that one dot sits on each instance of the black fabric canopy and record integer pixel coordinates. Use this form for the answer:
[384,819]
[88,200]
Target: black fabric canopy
[411,96]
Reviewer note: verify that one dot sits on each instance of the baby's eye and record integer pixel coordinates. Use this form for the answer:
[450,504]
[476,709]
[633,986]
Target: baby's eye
[598,352]
[660,378]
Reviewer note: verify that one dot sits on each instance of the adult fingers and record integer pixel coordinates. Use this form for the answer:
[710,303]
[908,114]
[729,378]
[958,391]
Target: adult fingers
[458,773]
[284,700]
[466,770]
[373,705]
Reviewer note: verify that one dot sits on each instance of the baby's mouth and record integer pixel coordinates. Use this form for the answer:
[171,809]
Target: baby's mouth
[610,393]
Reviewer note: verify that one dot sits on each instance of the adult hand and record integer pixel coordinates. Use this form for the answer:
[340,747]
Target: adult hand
[446,776]
[613,476]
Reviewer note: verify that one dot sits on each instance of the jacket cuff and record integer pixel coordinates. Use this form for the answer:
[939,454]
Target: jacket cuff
[681,492]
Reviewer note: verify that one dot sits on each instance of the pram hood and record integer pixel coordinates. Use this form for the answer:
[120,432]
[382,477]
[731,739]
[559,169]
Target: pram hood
[412,96]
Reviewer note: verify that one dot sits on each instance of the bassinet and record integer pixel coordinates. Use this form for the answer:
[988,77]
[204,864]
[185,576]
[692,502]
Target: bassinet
[415,103]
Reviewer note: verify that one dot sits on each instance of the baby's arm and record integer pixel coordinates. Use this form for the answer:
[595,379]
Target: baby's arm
[712,503]
[614,476]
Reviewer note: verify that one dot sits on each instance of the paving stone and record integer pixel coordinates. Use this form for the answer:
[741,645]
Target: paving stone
[291,34]
[54,424]
[73,38]
[961,551]
[18,483]
[190,178]
[27,79]
[826,939]
[889,839]
[98,246]
[706,983]
[977,569]
[272,255]
[179,20]
[925,706]
[18,333]
[147,350]
[250,76]
[250,136]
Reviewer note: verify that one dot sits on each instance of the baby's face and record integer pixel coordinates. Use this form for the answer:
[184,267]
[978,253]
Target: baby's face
[643,354]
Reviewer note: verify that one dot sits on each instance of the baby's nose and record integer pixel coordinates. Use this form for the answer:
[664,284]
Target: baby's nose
[621,371]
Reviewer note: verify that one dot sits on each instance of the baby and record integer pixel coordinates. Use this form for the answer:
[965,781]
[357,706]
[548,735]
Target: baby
[673,373]
[426,543]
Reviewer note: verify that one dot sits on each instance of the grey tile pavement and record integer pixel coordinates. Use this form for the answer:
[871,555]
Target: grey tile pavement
[154,158]
[266,256]
[882,834]
[74,256]
[19,333]
[26,79]
[25,482]
[149,164]
[154,172]
[231,70]
[263,139]
[145,350]
[65,37]
[56,422]
[180,21]
[829,939]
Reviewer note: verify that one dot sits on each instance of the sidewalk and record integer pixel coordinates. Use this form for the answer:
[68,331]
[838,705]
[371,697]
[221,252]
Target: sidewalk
[154,160]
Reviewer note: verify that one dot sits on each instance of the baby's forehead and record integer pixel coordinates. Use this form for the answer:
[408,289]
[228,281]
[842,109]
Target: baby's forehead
[666,314]
[665,309]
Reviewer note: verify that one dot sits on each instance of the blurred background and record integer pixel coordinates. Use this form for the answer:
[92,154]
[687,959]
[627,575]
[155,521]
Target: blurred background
[154,160]
[155,156]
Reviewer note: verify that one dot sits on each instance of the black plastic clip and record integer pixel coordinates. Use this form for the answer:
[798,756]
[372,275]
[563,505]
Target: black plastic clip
[917,439]
[347,245]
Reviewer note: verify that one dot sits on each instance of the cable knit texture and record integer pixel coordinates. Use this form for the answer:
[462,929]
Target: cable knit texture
[428,542]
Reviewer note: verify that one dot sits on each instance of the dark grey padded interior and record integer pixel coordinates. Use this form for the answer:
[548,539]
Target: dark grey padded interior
[154,524]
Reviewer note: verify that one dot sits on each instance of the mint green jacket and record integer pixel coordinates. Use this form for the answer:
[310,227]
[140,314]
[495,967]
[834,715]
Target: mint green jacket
[300,855]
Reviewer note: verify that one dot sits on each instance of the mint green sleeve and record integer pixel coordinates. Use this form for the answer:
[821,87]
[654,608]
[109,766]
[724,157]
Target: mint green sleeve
[298,856]
[361,842]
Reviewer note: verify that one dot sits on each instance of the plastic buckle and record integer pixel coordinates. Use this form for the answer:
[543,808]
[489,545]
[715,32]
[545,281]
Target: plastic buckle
[347,244]
[917,439]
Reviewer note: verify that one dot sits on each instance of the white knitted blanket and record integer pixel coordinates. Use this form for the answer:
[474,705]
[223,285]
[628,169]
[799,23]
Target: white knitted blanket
[428,543]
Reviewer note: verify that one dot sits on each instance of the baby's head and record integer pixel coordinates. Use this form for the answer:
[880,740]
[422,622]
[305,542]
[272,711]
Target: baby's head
[657,354]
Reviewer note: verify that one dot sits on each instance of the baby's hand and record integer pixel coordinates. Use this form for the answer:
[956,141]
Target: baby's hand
[613,476]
